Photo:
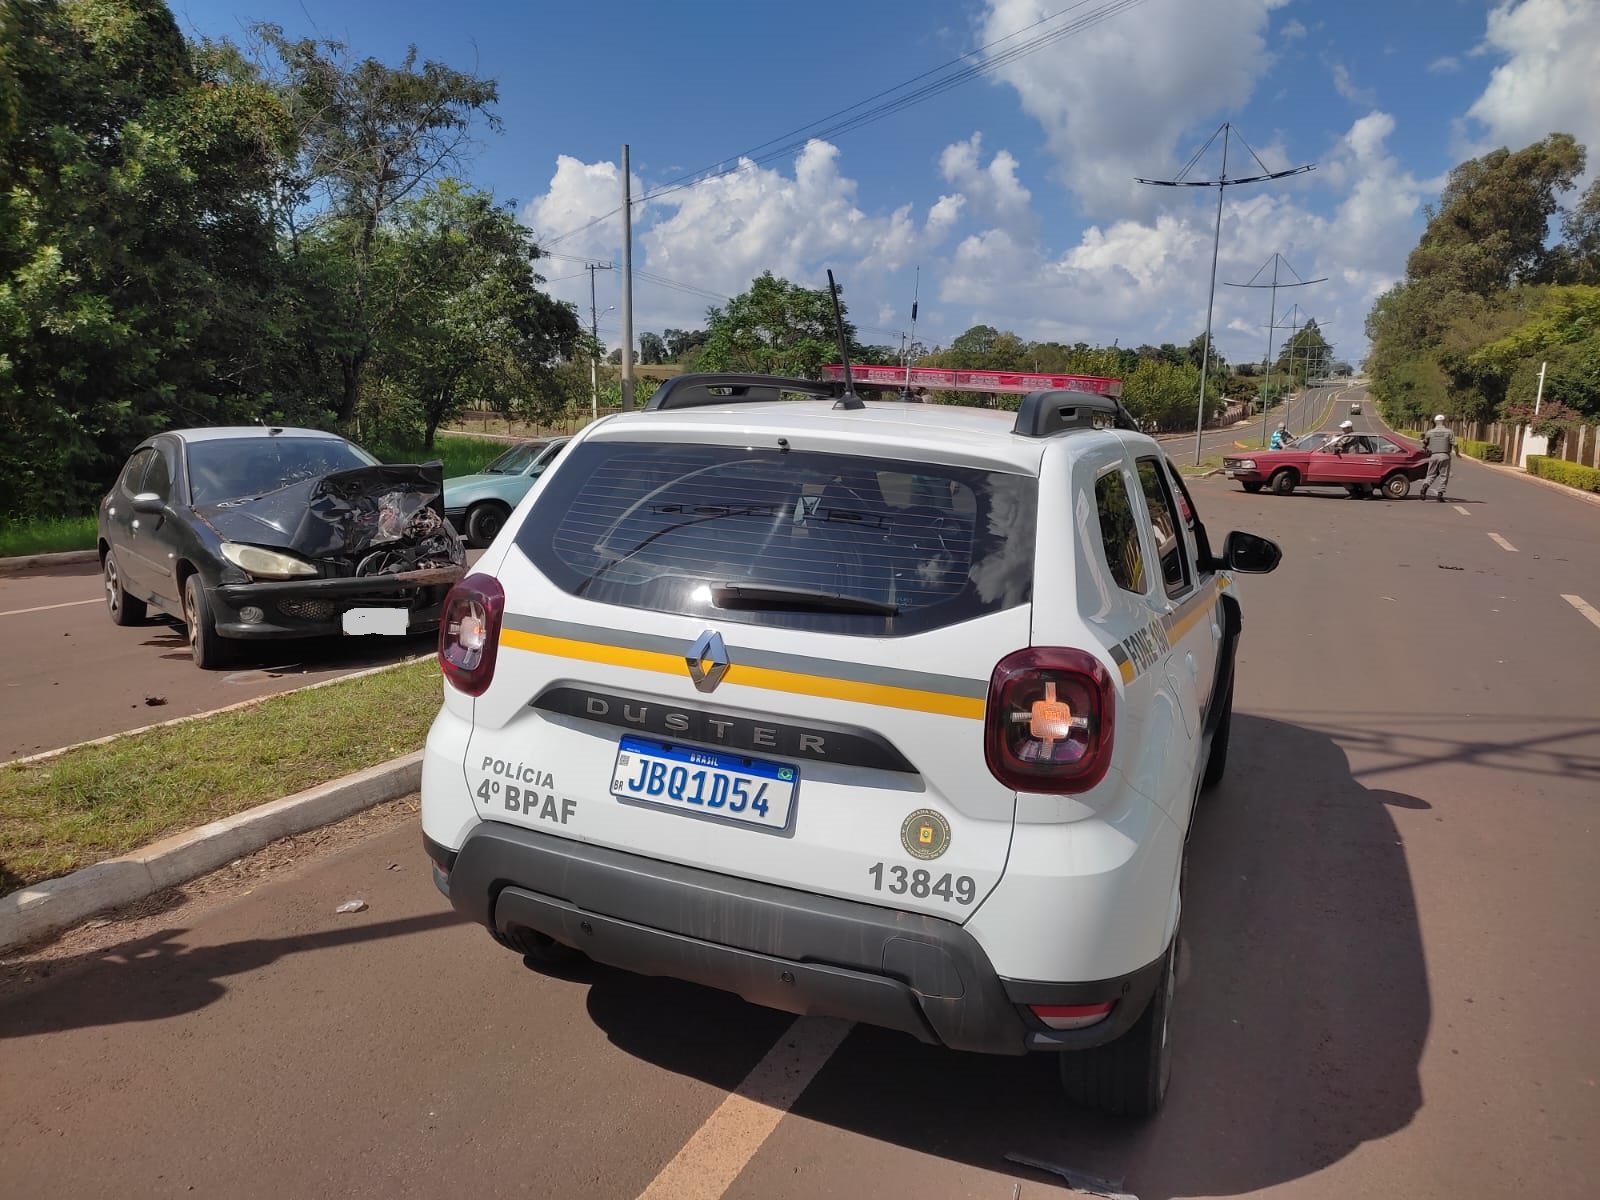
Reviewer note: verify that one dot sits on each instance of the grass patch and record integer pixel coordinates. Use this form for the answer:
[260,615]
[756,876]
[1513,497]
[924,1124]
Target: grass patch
[461,454]
[47,535]
[100,801]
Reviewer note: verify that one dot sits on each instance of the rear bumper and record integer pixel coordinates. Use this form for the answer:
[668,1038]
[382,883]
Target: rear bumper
[774,946]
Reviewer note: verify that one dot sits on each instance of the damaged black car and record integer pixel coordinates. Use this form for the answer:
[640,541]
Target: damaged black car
[262,532]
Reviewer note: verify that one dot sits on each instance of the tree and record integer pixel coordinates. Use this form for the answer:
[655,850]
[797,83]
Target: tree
[776,327]
[136,265]
[1578,255]
[474,325]
[368,135]
[652,350]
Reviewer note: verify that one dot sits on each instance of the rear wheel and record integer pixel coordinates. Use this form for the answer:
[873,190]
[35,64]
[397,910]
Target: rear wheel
[1128,1077]
[1252,488]
[1397,486]
[207,646]
[1283,482]
[123,608]
[484,523]
[540,952]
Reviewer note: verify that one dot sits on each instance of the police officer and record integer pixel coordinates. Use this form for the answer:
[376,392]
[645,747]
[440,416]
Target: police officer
[1440,444]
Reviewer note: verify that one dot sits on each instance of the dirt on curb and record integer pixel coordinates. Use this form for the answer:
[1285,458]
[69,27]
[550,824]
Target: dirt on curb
[25,966]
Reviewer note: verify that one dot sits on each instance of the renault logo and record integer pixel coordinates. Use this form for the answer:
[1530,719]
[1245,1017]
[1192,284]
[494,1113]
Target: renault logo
[708,661]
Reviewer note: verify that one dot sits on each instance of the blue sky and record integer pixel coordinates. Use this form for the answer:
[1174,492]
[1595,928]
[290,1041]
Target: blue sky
[1013,192]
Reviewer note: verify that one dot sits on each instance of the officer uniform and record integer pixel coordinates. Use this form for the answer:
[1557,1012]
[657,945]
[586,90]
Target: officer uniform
[1440,444]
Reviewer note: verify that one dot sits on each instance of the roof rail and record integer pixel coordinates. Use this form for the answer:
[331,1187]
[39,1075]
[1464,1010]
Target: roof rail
[713,388]
[1043,414]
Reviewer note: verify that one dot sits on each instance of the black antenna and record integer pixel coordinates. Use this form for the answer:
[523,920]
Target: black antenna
[849,399]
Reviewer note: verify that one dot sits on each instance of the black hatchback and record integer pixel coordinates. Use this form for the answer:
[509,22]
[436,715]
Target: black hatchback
[255,532]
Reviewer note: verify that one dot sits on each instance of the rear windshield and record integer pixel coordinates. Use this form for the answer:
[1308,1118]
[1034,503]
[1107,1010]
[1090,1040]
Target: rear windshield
[824,542]
[235,469]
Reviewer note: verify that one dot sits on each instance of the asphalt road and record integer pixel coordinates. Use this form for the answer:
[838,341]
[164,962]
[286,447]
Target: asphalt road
[67,674]
[1389,966]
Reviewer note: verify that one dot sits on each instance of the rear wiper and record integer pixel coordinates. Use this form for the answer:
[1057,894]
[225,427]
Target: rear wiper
[762,595]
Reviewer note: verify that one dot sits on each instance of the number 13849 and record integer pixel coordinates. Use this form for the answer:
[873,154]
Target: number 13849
[922,883]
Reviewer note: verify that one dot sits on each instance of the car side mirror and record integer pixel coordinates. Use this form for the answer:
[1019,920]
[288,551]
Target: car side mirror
[149,504]
[1250,554]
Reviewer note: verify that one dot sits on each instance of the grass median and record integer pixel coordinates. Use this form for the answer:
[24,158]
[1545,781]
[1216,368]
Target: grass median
[97,802]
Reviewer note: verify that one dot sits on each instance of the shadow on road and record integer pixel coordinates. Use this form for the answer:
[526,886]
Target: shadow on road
[155,977]
[1303,1007]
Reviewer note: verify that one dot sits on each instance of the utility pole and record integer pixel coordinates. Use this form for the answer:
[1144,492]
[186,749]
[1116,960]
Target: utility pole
[1538,396]
[594,348]
[1222,183]
[627,283]
[1272,316]
[916,294]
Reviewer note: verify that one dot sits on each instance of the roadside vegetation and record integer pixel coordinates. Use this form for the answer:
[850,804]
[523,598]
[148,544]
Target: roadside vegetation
[1585,479]
[1488,296]
[97,802]
[46,535]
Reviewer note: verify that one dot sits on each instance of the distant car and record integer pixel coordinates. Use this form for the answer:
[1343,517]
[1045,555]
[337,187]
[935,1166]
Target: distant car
[1355,406]
[478,505]
[1357,462]
[258,533]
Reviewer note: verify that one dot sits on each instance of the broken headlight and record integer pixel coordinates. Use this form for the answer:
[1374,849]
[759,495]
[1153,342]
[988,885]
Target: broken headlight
[261,563]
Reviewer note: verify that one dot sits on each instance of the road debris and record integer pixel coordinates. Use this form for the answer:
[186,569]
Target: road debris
[1078,1181]
[154,701]
[1449,567]
[351,906]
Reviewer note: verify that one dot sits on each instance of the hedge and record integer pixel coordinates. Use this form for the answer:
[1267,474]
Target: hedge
[1487,451]
[1558,470]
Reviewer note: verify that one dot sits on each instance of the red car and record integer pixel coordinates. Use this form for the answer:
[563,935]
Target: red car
[1357,462]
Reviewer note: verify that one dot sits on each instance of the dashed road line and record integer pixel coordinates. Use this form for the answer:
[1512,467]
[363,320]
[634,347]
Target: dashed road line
[722,1147]
[1502,543]
[1584,607]
[1462,509]
[17,612]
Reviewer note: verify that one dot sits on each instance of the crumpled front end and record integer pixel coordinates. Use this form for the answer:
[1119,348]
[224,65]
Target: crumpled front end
[377,536]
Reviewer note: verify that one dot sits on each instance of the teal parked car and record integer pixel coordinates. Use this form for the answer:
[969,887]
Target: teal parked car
[478,505]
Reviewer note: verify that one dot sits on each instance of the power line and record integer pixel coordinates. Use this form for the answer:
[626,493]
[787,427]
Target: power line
[830,126]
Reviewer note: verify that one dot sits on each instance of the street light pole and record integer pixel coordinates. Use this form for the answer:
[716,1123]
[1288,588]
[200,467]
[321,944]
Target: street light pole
[1222,183]
[594,345]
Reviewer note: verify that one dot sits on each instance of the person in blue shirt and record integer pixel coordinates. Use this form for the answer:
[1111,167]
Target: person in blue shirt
[1282,439]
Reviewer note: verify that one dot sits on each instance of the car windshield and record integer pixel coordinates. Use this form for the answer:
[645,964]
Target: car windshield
[1311,441]
[516,460]
[827,542]
[237,468]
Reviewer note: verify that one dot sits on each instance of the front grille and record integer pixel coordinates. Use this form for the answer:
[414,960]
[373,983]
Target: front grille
[308,610]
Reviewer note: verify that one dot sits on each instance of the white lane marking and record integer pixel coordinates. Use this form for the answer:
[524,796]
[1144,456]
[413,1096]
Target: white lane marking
[1502,543]
[722,1147]
[1587,609]
[1462,509]
[17,612]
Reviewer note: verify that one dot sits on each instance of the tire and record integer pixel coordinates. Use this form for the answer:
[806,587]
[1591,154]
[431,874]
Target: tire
[200,626]
[484,522]
[1397,486]
[1128,1077]
[1283,482]
[1217,764]
[539,951]
[122,608]
[1252,488]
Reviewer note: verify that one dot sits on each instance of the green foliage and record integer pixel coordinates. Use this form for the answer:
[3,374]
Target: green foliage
[1486,451]
[1162,395]
[778,328]
[1585,479]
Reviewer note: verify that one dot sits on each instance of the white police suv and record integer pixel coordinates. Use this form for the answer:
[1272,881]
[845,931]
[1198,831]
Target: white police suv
[888,711]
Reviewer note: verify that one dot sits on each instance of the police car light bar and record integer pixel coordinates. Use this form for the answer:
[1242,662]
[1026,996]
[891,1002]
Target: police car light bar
[1014,382]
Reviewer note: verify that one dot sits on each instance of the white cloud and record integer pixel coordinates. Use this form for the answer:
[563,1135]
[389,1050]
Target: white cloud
[1108,120]
[1346,87]
[1292,30]
[1448,64]
[993,192]
[1549,81]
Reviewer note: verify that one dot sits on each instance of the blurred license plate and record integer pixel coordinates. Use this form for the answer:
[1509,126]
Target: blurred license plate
[711,783]
[392,621]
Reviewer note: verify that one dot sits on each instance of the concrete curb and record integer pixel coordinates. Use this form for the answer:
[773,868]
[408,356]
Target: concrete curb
[56,905]
[10,566]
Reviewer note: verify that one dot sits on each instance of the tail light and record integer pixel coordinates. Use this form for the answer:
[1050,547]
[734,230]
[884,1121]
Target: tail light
[1072,1016]
[1050,721]
[469,633]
